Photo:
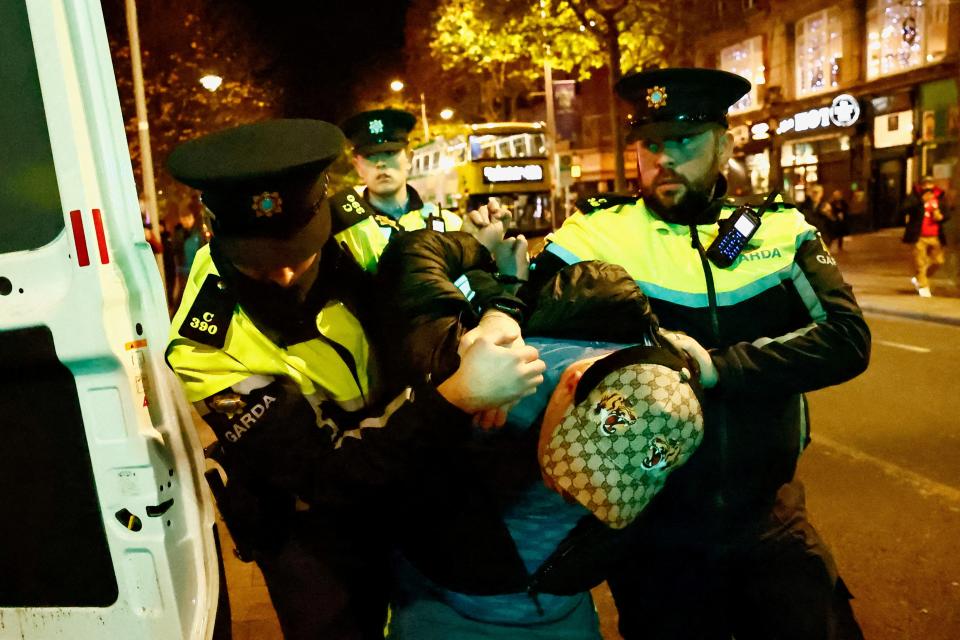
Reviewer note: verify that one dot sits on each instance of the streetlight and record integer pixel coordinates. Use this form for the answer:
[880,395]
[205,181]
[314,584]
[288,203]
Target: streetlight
[211,82]
[397,86]
[446,114]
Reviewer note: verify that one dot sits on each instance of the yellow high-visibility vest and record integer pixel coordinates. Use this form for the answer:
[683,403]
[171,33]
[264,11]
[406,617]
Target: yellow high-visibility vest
[659,255]
[314,365]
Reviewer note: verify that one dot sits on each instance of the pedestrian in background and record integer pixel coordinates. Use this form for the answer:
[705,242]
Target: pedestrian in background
[840,224]
[185,240]
[925,210]
[817,211]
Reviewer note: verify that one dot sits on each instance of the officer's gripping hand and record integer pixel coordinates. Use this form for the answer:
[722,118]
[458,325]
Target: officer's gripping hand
[512,258]
[494,373]
[708,371]
[496,325]
[504,330]
[488,223]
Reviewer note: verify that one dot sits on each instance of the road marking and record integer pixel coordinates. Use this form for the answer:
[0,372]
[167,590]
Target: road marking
[923,484]
[900,345]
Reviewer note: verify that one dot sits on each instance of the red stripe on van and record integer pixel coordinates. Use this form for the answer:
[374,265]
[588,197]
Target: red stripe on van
[101,239]
[79,238]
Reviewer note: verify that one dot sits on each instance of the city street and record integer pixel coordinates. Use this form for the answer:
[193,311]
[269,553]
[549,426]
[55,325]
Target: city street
[883,481]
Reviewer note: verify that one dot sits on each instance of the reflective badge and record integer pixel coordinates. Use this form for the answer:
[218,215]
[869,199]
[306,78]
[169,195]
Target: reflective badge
[656,97]
[266,204]
[228,403]
[209,316]
[376,126]
[353,204]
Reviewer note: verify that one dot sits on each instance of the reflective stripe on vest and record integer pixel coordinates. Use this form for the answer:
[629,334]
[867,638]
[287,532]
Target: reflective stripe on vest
[313,365]
[660,258]
[413,220]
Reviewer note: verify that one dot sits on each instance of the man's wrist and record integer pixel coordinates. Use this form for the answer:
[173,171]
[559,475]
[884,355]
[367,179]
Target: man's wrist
[506,306]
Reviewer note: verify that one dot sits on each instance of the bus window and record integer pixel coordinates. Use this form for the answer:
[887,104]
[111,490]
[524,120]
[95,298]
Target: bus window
[520,147]
[28,183]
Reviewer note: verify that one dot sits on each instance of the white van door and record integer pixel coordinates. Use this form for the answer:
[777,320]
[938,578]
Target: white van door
[106,525]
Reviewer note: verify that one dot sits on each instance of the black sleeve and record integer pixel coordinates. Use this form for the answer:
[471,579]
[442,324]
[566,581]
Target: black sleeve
[834,348]
[325,455]
[542,270]
[435,286]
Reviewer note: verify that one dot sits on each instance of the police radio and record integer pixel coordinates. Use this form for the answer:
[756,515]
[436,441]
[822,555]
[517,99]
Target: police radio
[736,231]
[433,217]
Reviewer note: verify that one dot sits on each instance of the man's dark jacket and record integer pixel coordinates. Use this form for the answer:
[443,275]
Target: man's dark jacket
[453,530]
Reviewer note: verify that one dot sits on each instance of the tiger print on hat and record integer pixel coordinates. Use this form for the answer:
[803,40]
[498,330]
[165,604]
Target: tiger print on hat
[614,450]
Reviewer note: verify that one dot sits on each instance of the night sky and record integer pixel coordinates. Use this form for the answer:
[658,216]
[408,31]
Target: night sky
[320,52]
[328,48]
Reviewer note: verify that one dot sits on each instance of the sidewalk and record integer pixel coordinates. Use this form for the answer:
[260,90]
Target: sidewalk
[879,266]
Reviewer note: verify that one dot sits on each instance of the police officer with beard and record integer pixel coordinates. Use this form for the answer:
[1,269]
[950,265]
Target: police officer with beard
[726,549]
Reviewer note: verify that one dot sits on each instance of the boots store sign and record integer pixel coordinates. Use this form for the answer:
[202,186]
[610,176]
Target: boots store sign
[843,112]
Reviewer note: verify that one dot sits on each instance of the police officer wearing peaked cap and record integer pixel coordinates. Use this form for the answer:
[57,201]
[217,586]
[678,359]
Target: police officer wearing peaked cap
[273,343]
[264,186]
[380,139]
[680,100]
[728,537]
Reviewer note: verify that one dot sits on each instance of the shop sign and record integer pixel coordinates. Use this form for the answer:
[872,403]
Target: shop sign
[843,112]
[760,131]
[513,173]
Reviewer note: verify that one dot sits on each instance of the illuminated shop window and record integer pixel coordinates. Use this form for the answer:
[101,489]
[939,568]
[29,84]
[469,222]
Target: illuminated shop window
[758,167]
[819,52]
[903,34]
[746,59]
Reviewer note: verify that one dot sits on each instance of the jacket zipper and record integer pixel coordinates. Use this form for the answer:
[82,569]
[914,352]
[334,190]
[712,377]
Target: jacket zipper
[566,547]
[720,497]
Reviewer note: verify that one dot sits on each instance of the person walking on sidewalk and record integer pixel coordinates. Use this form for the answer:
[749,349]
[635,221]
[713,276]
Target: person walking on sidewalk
[926,211]
[840,226]
[817,212]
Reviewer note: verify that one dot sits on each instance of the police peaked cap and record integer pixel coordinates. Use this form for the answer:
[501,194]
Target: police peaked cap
[379,130]
[263,180]
[680,100]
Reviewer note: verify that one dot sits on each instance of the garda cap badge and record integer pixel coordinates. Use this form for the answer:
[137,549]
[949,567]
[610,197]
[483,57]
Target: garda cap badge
[376,126]
[266,204]
[656,97]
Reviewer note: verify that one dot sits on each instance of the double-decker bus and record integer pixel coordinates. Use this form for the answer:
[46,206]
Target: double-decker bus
[507,160]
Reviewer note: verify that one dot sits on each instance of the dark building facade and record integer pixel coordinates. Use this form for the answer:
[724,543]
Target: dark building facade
[858,96]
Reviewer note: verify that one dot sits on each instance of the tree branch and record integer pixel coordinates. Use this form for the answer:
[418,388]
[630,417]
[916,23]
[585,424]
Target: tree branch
[582,17]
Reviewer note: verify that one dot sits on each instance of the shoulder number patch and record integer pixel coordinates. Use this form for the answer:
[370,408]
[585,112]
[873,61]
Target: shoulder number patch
[600,201]
[210,315]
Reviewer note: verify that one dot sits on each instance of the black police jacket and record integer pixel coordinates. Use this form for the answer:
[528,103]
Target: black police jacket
[453,530]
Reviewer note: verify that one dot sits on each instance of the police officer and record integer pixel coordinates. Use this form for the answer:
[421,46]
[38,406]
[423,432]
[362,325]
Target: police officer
[380,139]
[275,345]
[728,549]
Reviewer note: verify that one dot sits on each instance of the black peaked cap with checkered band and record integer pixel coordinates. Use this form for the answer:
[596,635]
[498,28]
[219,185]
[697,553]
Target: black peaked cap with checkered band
[261,180]
[680,100]
[379,130]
